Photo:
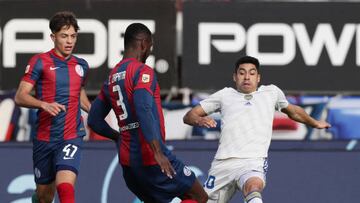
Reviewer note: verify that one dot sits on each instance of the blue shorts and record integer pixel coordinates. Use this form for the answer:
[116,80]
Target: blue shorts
[51,157]
[149,184]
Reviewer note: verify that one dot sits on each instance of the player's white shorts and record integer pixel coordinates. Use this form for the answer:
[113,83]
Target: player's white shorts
[226,176]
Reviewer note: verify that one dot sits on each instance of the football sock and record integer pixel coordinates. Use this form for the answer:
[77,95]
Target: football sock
[66,193]
[254,197]
[256,200]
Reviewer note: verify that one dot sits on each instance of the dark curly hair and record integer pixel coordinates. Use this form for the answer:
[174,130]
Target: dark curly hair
[61,19]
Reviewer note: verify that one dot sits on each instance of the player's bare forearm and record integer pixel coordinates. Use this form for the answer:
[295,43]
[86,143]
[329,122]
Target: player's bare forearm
[31,102]
[25,99]
[190,118]
[198,117]
[161,159]
[298,114]
[84,101]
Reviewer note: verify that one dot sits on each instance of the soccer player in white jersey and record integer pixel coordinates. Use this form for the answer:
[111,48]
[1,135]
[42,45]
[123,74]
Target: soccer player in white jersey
[247,114]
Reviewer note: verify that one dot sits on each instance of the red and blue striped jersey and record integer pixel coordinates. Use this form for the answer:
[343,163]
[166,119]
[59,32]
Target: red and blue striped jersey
[128,78]
[60,80]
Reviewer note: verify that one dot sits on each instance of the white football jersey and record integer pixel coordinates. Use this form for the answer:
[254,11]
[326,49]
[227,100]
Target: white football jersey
[246,120]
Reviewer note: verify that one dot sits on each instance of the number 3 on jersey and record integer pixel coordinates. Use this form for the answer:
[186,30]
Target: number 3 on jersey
[120,102]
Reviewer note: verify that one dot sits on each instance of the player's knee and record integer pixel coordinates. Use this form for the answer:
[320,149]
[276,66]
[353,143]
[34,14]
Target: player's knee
[45,197]
[44,193]
[253,197]
[200,197]
[251,188]
[253,184]
[203,197]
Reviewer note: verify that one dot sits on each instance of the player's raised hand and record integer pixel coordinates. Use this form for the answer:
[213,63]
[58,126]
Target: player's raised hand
[164,164]
[53,108]
[322,124]
[206,121]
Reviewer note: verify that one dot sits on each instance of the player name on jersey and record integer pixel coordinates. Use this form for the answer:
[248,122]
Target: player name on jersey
[117,77]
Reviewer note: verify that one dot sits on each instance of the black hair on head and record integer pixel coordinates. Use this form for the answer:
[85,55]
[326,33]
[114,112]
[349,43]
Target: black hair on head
[133,30]
[61,19]
[247,59]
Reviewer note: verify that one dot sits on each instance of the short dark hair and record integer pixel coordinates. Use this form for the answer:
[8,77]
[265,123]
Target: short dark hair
[247,59]
[134,30]
[61,19]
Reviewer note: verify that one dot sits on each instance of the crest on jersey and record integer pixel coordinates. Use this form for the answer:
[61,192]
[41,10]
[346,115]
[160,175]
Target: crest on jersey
[79,70]
[27,68]
[248,97]
[187,171]
[145,78]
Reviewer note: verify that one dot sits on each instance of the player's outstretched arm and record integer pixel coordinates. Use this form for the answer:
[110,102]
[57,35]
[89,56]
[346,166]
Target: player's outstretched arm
[298,114]
[198,117]
[96,120]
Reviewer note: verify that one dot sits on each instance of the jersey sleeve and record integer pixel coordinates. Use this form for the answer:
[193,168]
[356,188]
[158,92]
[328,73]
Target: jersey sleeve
[33,70]
[212,103]
[86,72]
[104,94]
[281,101]
[143,102]
[146,80]
[100,108]
[96,119]
[144,88]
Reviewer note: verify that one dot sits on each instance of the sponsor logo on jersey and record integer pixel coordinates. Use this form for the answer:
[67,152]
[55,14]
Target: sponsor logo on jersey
[79,70]
[54,68]
[248,104]
[145,78]
[187,171]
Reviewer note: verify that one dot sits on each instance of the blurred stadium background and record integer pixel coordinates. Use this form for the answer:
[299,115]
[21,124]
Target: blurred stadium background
[310,49]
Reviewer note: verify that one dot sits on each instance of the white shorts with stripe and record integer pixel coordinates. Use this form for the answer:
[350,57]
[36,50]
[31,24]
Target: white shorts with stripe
[226,176]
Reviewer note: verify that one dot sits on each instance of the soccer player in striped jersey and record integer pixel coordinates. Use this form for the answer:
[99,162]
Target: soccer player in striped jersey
[247,114]
[58,78]
[150,170]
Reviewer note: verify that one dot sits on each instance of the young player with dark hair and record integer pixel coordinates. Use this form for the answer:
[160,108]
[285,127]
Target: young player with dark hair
[58,78]
[247,114]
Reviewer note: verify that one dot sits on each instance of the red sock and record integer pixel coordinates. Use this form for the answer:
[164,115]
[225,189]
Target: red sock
[188,201]
[66,193]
